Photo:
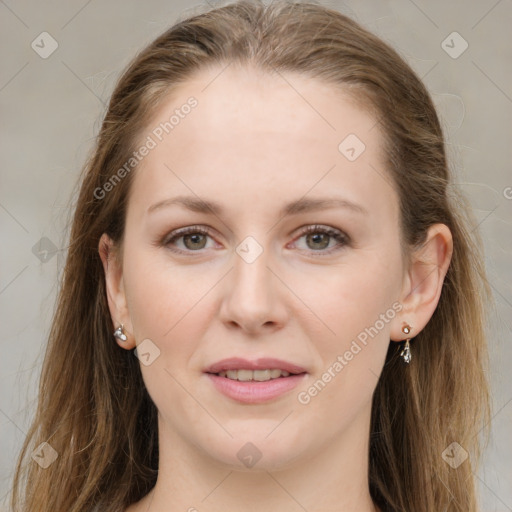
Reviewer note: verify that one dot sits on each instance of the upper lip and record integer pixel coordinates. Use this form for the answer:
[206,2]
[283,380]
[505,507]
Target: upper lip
[264,363]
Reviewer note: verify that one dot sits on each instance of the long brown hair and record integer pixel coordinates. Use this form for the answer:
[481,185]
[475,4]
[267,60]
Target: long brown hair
[93,407]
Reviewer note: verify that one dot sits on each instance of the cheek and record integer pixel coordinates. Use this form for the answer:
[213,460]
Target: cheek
[351,297]
[357,305]
[160,295]
[164,304]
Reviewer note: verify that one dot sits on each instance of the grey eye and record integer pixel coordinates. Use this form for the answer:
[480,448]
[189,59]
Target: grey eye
[194,241]
[318,240]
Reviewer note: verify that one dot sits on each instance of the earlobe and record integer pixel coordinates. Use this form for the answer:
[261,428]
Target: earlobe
[114,286]
[425,278]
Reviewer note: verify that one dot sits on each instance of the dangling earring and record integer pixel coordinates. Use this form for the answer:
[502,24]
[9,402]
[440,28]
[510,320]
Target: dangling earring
[405,354]
[119,333]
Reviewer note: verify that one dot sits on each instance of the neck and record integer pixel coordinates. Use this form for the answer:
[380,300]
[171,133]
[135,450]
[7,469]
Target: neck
[334,479]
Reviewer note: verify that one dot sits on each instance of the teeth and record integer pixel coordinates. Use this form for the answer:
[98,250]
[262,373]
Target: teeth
[262,375]
[257,375]
[245,375]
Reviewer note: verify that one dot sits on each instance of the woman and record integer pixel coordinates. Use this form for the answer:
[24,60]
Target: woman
[268,223]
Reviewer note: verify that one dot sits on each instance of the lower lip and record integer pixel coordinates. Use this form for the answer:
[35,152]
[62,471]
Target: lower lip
[254,392]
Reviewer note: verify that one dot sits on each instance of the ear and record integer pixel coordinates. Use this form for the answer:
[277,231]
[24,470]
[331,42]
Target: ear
[115,290]
[423,282]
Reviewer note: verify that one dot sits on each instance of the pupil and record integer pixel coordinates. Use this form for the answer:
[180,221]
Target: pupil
[196,239]
[317,239]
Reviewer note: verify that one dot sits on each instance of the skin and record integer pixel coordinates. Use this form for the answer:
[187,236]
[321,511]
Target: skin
[254,144]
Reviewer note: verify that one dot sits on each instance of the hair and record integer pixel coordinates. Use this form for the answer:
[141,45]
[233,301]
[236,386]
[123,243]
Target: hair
[93,407]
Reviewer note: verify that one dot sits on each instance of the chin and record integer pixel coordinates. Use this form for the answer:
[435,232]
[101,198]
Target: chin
[255,450]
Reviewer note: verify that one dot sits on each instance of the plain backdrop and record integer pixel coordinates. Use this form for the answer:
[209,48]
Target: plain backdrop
[51,110]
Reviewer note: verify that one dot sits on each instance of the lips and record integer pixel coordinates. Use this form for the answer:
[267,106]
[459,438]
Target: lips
[257,375]
[265,363]
[254,382]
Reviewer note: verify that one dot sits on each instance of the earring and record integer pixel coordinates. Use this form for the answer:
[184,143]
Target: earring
[405,354]
[119,333]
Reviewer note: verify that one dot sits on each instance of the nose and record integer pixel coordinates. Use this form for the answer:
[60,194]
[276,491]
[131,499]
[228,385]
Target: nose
[253,297]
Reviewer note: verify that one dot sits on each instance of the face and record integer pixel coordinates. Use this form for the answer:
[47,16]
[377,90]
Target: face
[291,272]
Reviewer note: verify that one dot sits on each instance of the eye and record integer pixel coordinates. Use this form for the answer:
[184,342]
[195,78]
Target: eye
[192,238]
[319,239]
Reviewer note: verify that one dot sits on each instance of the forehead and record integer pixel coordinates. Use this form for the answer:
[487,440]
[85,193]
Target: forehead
[247,101]
[268,134]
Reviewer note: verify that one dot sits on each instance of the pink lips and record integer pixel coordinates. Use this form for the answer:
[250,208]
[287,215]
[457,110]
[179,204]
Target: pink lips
[254,392]
[238,363]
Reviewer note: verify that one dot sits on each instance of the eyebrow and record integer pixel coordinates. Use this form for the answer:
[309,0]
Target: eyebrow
[301,205]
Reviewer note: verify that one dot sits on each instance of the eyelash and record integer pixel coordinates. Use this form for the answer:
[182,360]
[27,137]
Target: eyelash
[342,238]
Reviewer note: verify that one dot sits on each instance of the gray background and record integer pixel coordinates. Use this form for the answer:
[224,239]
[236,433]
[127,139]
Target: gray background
[51,109]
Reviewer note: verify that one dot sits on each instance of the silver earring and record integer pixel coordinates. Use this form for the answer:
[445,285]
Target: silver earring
[405,354]
[119,333]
